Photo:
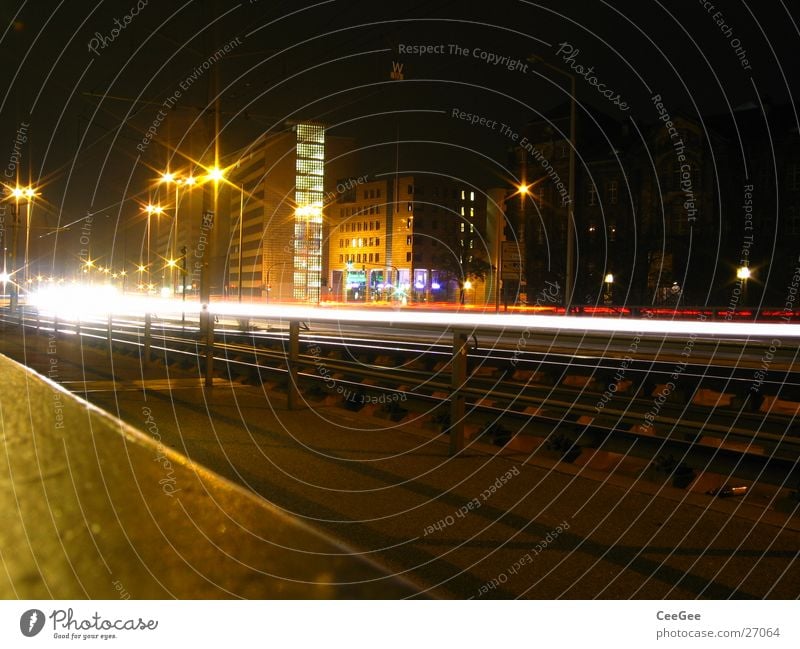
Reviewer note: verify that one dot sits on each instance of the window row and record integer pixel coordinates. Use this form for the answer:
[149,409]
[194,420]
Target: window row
[372,257]
[420,191]
[345,212]
[361,226]
[360,242]
[372,193]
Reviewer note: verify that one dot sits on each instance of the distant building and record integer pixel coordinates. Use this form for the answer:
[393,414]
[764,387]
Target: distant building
[414,237]
[660,213]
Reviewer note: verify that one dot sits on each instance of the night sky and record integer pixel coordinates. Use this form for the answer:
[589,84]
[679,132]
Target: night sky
[84,83]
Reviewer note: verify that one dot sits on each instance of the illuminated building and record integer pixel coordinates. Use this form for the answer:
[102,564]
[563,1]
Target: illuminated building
[417,236]
[281,189]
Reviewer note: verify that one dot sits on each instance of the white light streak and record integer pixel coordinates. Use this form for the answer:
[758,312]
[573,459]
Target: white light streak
[65,301]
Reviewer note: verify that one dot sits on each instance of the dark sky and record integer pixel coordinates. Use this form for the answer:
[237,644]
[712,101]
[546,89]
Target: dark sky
[87,111]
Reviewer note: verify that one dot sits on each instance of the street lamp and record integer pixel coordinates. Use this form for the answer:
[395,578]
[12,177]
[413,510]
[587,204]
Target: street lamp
[467,285]
[151,209]
[269,269]
[609,281]
[569,274]
[522,190]
[743,273]
[188,181]
[27,194]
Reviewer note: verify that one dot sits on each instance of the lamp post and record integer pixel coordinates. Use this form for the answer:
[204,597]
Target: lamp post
[743,273]
[151,209]
[27,194]
[188,181]
[609,282]
[241,227]
[570,257]
[269,269]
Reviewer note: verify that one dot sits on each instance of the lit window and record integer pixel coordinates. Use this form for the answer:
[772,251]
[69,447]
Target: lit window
[463,194]
[613,192]
[462,227]
[472,196]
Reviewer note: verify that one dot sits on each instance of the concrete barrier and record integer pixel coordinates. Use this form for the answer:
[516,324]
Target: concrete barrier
[93,508]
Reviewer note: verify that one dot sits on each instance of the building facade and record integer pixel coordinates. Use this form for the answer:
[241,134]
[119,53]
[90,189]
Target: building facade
[413,237]
[279,190]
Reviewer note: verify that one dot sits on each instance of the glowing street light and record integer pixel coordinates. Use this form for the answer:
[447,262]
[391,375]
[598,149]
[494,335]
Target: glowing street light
[27,194]
[609,281]
[743,273]
[216,174]
[189,181]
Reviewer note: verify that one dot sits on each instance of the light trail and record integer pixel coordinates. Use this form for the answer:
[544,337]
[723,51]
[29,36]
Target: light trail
[70,302]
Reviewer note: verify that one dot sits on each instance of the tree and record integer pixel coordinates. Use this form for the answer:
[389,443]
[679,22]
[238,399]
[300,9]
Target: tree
[464,266]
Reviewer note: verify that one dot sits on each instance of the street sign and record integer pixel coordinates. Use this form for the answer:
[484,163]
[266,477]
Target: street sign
[513,265]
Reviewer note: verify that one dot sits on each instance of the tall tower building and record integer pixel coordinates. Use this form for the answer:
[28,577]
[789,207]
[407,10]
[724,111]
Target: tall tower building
[276,233]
